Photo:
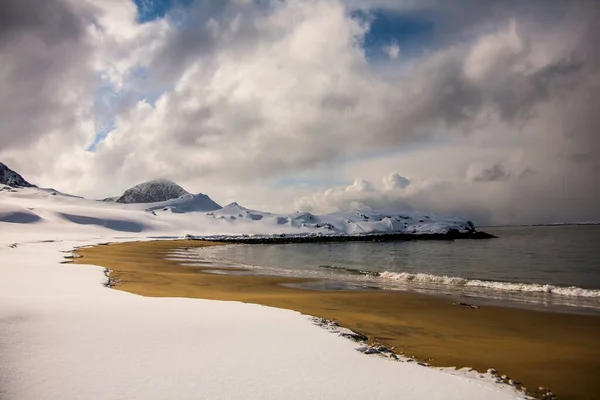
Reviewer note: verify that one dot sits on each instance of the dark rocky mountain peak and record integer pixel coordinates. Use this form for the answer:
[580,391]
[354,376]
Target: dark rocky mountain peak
[10,178]
[152,192]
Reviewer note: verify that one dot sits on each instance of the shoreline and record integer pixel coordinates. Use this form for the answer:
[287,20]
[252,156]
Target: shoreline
[527,295]
[453,234]
[65,336]
[538,348]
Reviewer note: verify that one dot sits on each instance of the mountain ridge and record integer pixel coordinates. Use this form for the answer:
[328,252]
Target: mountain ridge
[165,194]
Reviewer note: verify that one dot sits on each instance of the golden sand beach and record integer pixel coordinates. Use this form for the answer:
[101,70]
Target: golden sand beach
[547,349]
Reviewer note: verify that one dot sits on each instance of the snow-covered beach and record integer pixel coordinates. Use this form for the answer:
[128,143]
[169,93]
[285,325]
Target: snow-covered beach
[337,160]
[65,335]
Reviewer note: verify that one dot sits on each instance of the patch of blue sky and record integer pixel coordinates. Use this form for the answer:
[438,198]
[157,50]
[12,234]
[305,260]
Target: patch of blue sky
[151,10]
[100,136]
[139,87]
[413,33]
[107,100]
[104,107]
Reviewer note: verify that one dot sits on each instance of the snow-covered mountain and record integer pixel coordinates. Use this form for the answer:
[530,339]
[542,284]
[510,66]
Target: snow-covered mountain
[165,208]
[10,178]
[166,195]
[353,222]
[186,203]
[152,192]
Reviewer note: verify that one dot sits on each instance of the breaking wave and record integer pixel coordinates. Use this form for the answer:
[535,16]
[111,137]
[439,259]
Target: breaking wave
[428,279]
[350,270]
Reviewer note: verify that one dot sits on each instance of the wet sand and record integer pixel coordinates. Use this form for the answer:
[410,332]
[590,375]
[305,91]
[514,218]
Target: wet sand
[559,351]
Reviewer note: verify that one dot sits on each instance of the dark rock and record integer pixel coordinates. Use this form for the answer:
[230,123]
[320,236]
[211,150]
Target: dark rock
[152,192]
[467,305]
[379,237]
[355,336]
[367,350]
[11,178]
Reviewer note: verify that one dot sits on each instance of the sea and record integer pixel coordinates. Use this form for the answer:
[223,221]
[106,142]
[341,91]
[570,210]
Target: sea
[553,268]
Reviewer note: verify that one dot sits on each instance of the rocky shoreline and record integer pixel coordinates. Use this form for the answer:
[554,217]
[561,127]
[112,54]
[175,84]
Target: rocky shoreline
[386,237]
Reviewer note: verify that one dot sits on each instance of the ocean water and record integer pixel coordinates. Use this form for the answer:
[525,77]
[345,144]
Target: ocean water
[550,267]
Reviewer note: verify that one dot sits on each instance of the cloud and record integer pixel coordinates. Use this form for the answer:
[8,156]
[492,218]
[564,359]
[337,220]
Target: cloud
[495,173]
[43,72]
[392,50]
[235,95]
[395,181]
[360,185]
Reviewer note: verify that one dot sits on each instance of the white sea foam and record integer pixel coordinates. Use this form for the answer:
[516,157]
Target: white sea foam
[429,279]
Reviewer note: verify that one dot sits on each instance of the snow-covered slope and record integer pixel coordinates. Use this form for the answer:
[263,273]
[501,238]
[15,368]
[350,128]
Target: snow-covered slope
[11,178]
[164,194]
[189,215]
[163,205]
[152,192]
[355,222]
[66,336]
[186,203]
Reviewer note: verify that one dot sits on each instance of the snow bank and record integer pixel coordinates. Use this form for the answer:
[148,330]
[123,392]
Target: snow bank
[66,336]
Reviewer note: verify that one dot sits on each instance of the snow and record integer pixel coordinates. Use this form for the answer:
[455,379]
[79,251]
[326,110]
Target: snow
[198,215]
[356,222]
[64,335]
[186,203]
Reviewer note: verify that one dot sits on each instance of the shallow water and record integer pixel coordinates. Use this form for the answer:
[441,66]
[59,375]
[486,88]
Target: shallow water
[554,267]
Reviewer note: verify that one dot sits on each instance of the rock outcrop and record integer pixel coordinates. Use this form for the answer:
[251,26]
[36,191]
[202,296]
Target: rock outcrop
[152,192]
[10,178]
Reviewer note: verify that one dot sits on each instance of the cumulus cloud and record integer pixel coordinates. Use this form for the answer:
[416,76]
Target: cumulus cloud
[395,181]
[227,97]
[360,185]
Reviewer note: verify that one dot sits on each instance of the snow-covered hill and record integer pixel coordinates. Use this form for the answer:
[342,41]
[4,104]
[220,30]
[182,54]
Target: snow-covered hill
[10,178]
[166,195]
[165,208]
[188,215]
[186,203]
[354,222]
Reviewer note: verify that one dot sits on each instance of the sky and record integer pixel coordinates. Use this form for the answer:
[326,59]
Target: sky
[482,108]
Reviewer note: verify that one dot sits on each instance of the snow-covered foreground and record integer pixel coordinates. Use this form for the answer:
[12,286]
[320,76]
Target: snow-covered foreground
[63,335]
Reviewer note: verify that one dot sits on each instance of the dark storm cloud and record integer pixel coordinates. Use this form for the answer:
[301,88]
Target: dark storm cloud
[197,33]
[496,173]
[53,20]
[42,60]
